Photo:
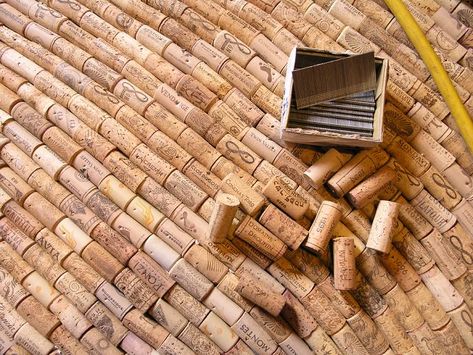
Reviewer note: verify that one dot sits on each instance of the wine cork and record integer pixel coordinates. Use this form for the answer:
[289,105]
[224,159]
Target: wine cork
[176,31]
[434,152]
[445,255]
[11,320]
[384,223]
[408,184]
[145,328]
[464,212]
[367,190]
[407,314]
[238,153]
[40,289]
[83,216]
[144,213]
[132,344]
[342,300]
[239,77]
[84,274]
[94,339]
[234,48]
[136,290]
[88,166]
[116,191]
[228,286]
[21,137]
[47,187]
[262,239]
[223,306]
[321,229]
[194,282]
[30,339]
[442,289]
[98,314]
[16,159]
[197,340]
[428,306]
[424,338]
[22,219]
[325,167]
[76,292]
[253,254]
[295,314]
[400,269]
[462,318]
[413,251]
[370,266]
[413,220]
[408,157]
[16,293]
[251,289]
[113,303]
[276,327]
[14,236]
[187,305]
[427,120]
[213,326]
[169,232]
[309,264]
[44,263]
[370,335]
[356,169]
[13,263]
[30,119]
[433,211]
[286,198]
[49,161]
[347,341]
[169,317]
[64,340]
[116,244]
[206,263]
[254,335]
[70,316]
[277,222]
[251,201]
[460,245]
[451,339]
[72,235]
[368,297]
[323,311]
[344,263]
[397,337]
[222,216]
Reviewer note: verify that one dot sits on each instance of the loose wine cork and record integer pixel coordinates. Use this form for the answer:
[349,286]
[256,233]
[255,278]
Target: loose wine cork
[320,307]
[384,223]
[428,306]
[344,263]
[366,191]
[254,335]
[451,339]
[70,316]
[356,169]
[442,289]
[400,269]
[222,217]
[433,211]
[251,289]
[286,198]
[425,339]
[30,339]
[370,335]
[277,222]
[321,229]
[397,337]
[325,167]
[262,239]
[103,319]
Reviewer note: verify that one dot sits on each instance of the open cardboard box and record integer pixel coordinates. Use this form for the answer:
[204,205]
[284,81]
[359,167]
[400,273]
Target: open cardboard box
[302,57]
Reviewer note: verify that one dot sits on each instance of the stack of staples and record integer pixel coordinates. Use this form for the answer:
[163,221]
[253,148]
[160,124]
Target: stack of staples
[333,98]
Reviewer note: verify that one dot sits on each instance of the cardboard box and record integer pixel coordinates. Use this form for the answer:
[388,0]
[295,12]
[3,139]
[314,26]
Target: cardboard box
[302,57]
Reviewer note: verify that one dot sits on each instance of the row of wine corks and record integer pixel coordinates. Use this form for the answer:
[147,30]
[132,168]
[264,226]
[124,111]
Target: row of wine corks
[189,40]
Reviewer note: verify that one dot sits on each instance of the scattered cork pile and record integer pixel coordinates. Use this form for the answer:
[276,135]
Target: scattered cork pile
[126,126]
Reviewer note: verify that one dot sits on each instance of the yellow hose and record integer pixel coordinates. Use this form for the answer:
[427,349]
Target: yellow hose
[432,61]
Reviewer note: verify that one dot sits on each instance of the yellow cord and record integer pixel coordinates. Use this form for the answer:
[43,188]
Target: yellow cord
[432,61]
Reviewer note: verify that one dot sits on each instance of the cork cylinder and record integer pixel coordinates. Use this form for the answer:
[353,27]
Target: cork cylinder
[325,167]
[222,216]
[366,191]
[280,192]
[320,232]
[344,263]
[384,224]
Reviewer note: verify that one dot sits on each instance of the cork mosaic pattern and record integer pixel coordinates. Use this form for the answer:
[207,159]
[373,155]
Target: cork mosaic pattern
[128,130]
